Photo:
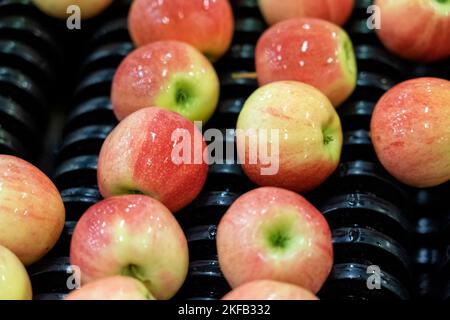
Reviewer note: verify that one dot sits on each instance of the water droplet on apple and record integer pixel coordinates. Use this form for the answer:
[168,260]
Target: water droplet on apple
[165,20]
[305,46]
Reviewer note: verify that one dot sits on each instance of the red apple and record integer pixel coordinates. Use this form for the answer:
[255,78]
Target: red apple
[168,74]
[411,131]
[14,281]
[416,29]
[269,290]
[32,212]
[58,8]
[133,236]
[274,234]
[206,24]
[112,288]
[299,126]
[336,11]
[138,157]
[308,50]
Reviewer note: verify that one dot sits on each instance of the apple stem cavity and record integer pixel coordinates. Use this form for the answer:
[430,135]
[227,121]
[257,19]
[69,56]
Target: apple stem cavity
[132,270]
[183,94]
[134,192]
[127,190]
[278,234]
[327,139]
[278,239]
[136,272]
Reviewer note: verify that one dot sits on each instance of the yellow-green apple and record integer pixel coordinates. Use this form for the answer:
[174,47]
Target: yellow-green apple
[31,210]
[416,29]
[269,290]
[274,234]
[168,74]
[14,281]
[112,288]
[308,142]
[58,8]
[410,131]
[135,236]
[140,156]
[206,25]
[309,50]
[336,11]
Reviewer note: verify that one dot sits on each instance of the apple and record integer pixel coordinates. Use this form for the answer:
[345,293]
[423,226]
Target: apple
[308,50]
[138,158]
[415,29]
[308,142]
[274,234]
[168,74]
[112,288]
[135,236]
[14,281]
[58,8]
[269,290]
[410,131]
[32,212]
[206,25]
[336,11]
